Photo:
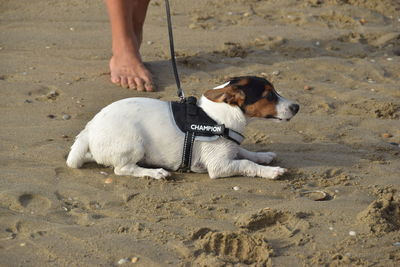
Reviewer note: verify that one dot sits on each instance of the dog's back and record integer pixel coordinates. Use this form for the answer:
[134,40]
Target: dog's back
[128,127]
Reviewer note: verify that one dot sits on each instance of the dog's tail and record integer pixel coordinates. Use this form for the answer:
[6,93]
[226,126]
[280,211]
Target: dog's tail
[76,156]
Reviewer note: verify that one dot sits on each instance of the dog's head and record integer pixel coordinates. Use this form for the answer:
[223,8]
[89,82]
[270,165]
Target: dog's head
[255,96]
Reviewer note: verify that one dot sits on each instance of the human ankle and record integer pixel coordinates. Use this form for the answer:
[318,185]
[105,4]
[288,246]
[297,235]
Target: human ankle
[126,51]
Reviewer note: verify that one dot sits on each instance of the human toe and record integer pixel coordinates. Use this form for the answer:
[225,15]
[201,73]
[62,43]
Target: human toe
[132,84]
[149,86]
[115,79]
[124,82]
[139,84]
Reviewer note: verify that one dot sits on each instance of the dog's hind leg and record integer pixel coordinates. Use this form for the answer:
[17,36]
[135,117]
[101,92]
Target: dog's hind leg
[125,155]
[134,170]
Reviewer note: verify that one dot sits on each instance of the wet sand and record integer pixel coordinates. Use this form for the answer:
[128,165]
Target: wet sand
[339,59]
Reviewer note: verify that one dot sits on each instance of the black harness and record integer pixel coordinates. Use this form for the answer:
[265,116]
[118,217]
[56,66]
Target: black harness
[193,121]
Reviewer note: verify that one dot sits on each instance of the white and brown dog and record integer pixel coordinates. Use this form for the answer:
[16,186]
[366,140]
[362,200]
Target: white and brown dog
[135,133]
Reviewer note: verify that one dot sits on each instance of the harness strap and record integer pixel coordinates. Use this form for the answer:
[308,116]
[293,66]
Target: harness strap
[233,136]
[186,162]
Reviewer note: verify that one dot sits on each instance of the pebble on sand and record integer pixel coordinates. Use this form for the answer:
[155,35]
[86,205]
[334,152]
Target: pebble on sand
[236,188]
[108,181]
[276,72]
[192,26]
[394,144]
[134,259]
[352,233]
[307,87]
[66,117]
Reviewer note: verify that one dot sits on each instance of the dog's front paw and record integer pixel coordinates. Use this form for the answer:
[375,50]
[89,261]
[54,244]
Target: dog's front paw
[265,157]
[272,172]
[159,174]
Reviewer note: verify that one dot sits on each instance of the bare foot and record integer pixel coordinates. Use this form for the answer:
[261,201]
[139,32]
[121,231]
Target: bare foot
[126,66]
[129,71]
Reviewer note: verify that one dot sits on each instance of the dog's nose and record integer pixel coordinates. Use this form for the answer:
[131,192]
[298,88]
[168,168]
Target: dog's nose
[294,108]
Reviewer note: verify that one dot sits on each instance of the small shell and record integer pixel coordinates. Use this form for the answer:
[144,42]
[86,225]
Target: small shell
[236,188]
[316,195]
[104,173]
[307,87]
[108,181]
[134,259]
[352,233]
[387,135]
[124,260]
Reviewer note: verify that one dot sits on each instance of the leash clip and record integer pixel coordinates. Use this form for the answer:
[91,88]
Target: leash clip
[181,95]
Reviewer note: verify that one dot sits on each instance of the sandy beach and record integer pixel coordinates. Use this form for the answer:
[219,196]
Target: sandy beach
[339,204]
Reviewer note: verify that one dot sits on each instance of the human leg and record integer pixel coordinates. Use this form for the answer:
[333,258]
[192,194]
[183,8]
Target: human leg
[126,66]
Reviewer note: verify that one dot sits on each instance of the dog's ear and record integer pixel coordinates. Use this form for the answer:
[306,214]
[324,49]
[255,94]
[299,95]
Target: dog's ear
[229,94]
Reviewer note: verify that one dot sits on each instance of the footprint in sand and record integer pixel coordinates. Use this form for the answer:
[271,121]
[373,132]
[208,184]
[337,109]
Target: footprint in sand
[46,94]
[34,202]
[237,247]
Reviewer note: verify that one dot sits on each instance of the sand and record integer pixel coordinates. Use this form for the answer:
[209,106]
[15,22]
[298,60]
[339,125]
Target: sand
[339,59]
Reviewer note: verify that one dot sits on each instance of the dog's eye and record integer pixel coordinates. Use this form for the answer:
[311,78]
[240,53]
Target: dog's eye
[271,96]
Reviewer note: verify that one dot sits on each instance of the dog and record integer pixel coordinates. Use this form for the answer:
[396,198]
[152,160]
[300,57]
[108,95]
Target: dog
[134,134]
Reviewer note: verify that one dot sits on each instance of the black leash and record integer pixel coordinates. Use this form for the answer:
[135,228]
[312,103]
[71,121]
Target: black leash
[181,94]
[191,110]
